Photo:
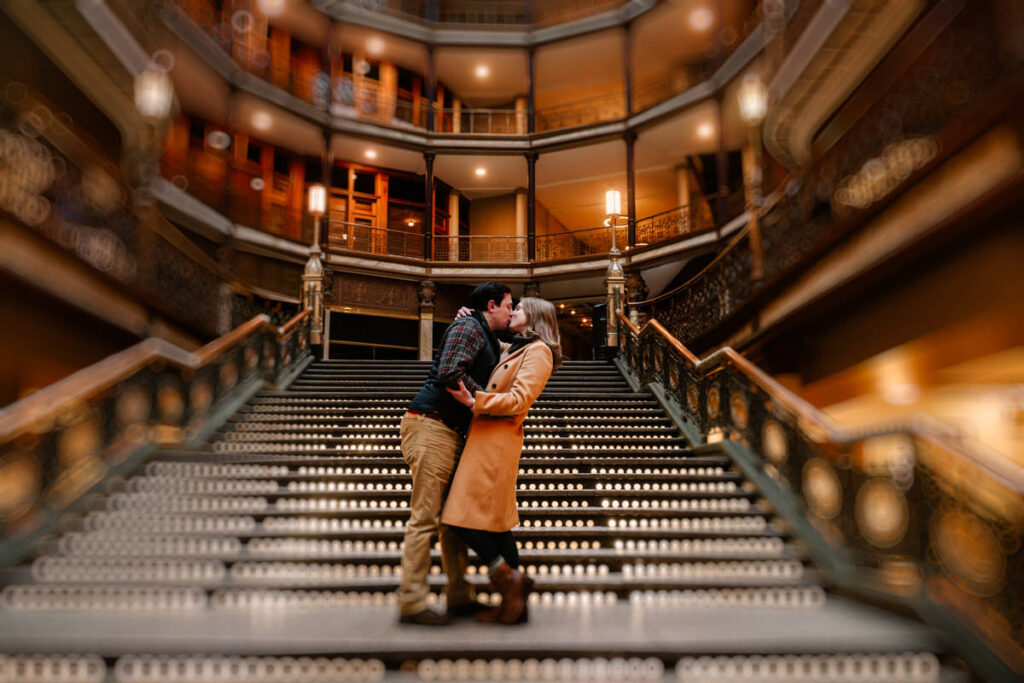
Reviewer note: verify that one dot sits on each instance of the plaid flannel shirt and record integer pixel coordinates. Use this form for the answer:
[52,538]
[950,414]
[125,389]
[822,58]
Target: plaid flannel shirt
[463,342]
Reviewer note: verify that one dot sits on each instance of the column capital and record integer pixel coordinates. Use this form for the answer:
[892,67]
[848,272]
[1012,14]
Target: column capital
[429,156]
[531,155]
[532,289]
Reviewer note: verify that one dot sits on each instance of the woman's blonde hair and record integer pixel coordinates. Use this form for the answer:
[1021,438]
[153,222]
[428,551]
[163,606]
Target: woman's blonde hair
[542,323]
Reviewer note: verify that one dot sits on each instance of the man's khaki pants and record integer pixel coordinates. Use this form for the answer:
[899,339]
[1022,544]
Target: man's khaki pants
[431,450]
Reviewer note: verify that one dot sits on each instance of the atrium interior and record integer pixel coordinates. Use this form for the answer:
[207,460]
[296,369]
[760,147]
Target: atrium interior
[788,439]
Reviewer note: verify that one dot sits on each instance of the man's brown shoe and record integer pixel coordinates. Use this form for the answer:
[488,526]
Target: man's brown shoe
[426,617]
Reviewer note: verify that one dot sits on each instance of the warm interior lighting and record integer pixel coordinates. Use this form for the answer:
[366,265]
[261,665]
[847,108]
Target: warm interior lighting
[218,139]
[481,171]
[701,19]
[261,120]
[561,305]
[271,7]
[572,312]
[705,131]
[410,222]
[483,71]
[753,99]
[317,200]
[153,93]
[612,203]
[371,154]
[375,46]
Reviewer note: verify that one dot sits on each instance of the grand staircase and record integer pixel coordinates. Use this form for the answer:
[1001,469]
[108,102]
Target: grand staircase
[273,553]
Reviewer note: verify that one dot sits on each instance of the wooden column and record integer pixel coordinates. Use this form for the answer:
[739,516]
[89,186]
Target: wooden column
[522,235]
[531,206]
[453,225]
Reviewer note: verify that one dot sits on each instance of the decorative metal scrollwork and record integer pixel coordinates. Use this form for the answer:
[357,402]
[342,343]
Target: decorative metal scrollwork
[714,400]
[822,489]
[882,512]
[969,552]
[692,398]
[228,375]
[200,396]
[739,410]
[773,443]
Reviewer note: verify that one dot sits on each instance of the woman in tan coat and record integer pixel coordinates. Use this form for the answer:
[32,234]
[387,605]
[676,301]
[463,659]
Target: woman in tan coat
[481,505]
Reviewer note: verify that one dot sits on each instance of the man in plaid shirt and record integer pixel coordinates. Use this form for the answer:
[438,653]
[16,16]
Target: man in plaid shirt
[433,434]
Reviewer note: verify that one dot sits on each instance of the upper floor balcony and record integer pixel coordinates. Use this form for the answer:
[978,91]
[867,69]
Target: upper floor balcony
[318,61]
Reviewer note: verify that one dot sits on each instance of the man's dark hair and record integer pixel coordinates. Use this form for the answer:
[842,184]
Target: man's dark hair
[487,291]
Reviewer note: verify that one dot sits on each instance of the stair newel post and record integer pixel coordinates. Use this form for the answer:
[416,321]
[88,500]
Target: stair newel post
[427,292]
[313,274]
[615,280]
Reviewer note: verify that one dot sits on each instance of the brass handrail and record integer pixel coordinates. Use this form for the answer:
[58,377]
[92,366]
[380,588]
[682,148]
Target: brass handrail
[1010,476]
[22,415]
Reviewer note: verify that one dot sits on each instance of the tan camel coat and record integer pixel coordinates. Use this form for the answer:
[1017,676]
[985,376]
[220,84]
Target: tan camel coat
[483,492]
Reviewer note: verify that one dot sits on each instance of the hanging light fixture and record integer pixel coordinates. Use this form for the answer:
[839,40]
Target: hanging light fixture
[153,93]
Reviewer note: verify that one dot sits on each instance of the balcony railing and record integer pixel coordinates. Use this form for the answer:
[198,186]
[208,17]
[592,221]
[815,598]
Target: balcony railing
[608,107]
[343,237]
[483,121]
[668,224]
[578,243]
[480,248]
[253,210]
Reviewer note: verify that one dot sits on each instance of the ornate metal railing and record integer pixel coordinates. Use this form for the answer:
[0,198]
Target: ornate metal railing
[482,121]
[345,237]
[575,243]
[480,248]
[62,441]
[904,508]
[666,225]
[609,107]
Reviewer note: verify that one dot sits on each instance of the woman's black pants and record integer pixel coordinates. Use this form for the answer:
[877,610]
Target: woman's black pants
[488,545]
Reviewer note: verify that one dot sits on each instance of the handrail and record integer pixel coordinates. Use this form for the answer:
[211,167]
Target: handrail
[1012,476]
[293,323]
[16,418]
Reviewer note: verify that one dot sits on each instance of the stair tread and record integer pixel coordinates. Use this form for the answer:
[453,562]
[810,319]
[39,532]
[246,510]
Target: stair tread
[372,630]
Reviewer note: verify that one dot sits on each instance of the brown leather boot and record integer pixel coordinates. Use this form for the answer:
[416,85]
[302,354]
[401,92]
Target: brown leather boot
[515,588]
[489,616]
